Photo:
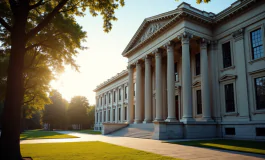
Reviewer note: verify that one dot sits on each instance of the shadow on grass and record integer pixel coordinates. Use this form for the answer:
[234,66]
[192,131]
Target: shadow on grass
[87,131]
[256,147]
[41,134]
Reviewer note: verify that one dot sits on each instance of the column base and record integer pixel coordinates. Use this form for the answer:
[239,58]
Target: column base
[187,119]
[136,121]
[159,120]
[147,121]
[207,119]
[171,120]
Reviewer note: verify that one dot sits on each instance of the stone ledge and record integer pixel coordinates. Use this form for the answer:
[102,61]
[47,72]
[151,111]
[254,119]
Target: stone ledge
[112,127]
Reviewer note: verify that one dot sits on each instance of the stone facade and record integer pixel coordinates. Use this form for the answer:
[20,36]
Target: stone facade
[194,74]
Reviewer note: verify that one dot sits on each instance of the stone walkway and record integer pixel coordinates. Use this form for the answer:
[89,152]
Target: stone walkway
[158,147]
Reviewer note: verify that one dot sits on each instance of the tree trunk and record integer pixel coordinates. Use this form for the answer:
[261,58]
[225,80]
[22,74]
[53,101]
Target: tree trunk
[10,141]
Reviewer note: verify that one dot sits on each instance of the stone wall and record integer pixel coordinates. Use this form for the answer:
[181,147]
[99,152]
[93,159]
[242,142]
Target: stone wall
[112,127]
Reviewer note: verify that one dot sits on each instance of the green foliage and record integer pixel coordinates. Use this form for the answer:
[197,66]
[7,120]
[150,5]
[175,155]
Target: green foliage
[77,111]
[200,1]
[55,113]
[86,150]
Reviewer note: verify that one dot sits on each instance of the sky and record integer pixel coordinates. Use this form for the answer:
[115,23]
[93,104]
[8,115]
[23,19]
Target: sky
[102,60]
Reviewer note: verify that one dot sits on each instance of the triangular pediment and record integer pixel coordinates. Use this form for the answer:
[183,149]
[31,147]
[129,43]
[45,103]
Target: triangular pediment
[227,77]
[196,83]
[150,27]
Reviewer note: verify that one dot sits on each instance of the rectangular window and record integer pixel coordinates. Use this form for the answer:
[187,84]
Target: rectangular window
[119,94]
[109,98]
[105,99]
[126,92]
[260,131]
[260,92]
[114,96]
[229,98]
[125,113]
[119,110]
[100,117]
[198,64]
[230,131]
[134,86]
[176,71]
[101,101]
[199,102]
[256,44]
[104,120]
[113,114]
[227,59]
[109,115]
[97,117]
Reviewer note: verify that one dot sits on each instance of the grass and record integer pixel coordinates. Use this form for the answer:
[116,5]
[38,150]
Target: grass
[87,131]
[40,134]
[234,145]
[84,151]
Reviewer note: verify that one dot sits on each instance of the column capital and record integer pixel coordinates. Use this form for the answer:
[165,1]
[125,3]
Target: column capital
[239,34]
[213,44]
[169,44]
[139,62]
[185,37]
[158,52]
[130,66]
[203,43]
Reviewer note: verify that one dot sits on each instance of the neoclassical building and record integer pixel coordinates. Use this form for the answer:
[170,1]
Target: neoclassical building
[192,74]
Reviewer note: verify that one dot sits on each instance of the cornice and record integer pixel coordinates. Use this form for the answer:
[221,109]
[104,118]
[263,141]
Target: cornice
[183,11]
[109,81]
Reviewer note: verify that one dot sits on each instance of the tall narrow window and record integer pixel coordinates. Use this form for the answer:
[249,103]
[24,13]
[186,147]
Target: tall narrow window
[109,115]
[97,117]
[105,99]
[229,98]
[119,110]
[199,101]
[260,92]
[101,101]
[134,86]
[119,94]
[197,64]
[105,116]
[126,92]
[109,98]
[114,96]
[227,60]
[125,113]
[100,120]
[176,71]
[113,114]
[256,44]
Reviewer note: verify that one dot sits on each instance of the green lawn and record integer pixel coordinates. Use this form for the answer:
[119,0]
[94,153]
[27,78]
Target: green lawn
[235,145]
[40,134]
[87,131]
[85,151]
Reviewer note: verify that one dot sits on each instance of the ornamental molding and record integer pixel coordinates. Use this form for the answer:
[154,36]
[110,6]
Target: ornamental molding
[196,84]
[111,80]
[227,77]
[154,26]
[239,34]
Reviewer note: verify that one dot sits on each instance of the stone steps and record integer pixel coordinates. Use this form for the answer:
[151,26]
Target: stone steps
[136,131]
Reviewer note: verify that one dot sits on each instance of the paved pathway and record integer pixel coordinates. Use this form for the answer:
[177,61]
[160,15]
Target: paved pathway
[158,147]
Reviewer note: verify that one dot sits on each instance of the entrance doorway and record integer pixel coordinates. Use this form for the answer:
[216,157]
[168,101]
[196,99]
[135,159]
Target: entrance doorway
[177,106]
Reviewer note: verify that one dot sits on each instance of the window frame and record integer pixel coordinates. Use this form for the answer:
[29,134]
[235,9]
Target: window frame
[226,96]
[223,58]
[223,102]
[251,43]
[196,92]
[254,104]
[196,64]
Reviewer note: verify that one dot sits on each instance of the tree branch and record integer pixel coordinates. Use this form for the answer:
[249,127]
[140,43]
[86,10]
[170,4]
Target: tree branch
[24,103]
[46,20]
[3,22]
[36,5]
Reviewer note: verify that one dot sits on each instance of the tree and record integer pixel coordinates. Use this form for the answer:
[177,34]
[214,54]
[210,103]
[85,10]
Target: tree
[55,113]
[91,116]
[46,26]
[77,111]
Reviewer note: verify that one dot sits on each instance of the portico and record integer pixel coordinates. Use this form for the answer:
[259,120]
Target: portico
[192,74]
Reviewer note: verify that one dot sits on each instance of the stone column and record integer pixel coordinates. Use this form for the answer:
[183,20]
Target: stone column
[122,103]
[148,91]
[186,77]
[241,83]
[107,107]
[206,110]
[170,83]
[130,108]
[138,104]
[111,107]
[159,114]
